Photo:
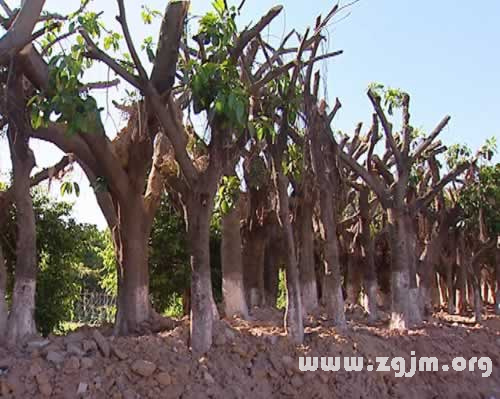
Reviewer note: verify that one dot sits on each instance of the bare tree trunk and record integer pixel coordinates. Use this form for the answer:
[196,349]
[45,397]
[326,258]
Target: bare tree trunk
[21,322]
[4,312]
[461,278]
[414,298]
[271,272]
[293,316]
[198,211]
[476,288]
[353,278]
[232,266]
[253,261]
[450,288]
[400,278]
[368,255]
[134,306]
[497,273]
[305,247]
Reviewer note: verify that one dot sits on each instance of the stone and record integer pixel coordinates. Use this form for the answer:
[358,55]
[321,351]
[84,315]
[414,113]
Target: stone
[74,338]
[82,388]
[86,363]
[89,345]
[55,357]
[71,365]
[129,394]
[43,383]
[121,355]
[297,381]
[208,378]
[220,340]
[143,368]
[37,344]
[102,343]
[75,349]
[164,378]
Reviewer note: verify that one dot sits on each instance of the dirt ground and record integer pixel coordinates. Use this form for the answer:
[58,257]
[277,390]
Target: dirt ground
[252,359]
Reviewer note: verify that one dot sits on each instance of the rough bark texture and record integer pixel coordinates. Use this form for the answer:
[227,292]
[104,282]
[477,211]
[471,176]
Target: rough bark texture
[399,271]
[233,290]
[21,322]
[272,264]
[293,316]
[3,304]
[253,255]
[198,210]
[305,249]
[134,307]
[497,273]
[368,257]
[461,277]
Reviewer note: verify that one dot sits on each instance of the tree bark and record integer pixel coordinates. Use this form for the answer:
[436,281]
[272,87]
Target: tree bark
[198,210]
[272,260]
[400,278]
[461,277]
[232,266]
[497,273]
[4,312]
[305,249]
[294,326]
[368,256]
[21,322]
[253,256]
[134,306]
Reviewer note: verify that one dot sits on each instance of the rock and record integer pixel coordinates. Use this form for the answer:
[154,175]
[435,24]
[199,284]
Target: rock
[71,365]
[143,367]
[89,345]
[74,338]
[55,357]
[37,344]
[82,388]
[297,381]
[118,353]
[208,378]
[75,349]
[86,363]
[164,378]
[43,384]
[102,343]
[230,335]
[220,340]
[129,394]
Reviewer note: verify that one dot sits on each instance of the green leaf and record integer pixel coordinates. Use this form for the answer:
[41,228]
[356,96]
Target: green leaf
[77,189]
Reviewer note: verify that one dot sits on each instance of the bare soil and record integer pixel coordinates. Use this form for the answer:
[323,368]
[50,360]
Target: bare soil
[252,359]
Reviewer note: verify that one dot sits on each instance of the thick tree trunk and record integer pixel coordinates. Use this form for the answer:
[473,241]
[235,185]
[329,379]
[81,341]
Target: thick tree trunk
[3,290]
[198,210]
[232,266]
[134,306]
[272,260]
[450,288]
[353,278]
[414,298]
[368,256]
[253,260]
[476,289]
[293,316]
[305,249]
[21,322]
[497,276]
[332,290]
[461,278]
[400,278]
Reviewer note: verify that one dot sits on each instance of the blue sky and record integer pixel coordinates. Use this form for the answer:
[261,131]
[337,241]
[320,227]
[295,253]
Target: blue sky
[444,53]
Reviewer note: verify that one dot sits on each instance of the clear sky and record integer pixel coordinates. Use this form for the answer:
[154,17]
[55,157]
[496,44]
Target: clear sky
[444,53]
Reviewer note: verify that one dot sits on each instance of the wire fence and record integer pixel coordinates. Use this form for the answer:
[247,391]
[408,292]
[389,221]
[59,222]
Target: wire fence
[95,308]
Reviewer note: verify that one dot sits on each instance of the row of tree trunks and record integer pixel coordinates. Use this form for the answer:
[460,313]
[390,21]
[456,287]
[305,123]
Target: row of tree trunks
[233,289]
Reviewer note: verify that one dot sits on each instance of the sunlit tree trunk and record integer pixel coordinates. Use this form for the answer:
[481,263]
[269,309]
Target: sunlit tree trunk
[21,321]
[232,266]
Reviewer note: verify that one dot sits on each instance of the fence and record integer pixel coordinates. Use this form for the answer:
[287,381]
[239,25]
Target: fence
[95,308]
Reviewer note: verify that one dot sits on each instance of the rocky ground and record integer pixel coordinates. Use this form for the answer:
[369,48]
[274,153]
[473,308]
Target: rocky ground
[251,360]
